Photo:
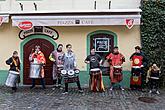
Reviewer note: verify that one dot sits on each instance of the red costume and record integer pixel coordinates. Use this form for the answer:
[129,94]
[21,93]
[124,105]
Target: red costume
[116,59]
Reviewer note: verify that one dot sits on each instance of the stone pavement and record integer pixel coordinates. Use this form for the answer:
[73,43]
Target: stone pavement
[49,99]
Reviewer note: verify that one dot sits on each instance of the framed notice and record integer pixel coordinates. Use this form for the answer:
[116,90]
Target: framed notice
[102,44]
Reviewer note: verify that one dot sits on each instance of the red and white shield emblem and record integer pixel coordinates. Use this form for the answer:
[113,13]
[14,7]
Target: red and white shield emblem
[129,23]
[1,20]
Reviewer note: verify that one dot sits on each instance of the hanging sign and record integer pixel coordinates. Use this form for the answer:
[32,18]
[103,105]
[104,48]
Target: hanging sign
[25,25]
[129,23]
[102,44]
[39,30]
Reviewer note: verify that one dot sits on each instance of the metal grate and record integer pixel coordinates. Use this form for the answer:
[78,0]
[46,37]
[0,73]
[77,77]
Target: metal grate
[147,99]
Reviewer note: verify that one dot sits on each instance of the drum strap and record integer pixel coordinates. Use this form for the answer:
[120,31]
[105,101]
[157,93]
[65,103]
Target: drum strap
[15,63]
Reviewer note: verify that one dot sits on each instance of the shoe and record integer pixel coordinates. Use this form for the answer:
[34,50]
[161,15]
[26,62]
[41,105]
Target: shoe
[32,87]
[150,91]
[111,89]
[122,88]
[43,87]
[80,91]
[157,92]
[65,93]
[56,85]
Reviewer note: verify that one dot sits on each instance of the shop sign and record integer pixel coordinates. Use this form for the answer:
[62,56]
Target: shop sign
[129,23]
[1,20]
[39,30]
[25,25]
[102,44]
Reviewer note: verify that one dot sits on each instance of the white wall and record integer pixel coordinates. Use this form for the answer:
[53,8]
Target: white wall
[66,5]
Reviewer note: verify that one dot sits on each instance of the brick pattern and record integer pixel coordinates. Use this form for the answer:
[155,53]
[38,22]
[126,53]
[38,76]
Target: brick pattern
[49,99]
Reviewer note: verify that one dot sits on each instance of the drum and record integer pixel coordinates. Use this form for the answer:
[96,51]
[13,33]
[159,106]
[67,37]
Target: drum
[117,70]
[12,79]
[71,73]
[95,71]
[155,78]
[77,71]
[35,70]
[63,72]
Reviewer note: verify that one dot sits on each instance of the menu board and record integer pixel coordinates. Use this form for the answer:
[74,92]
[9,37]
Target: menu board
[102,44]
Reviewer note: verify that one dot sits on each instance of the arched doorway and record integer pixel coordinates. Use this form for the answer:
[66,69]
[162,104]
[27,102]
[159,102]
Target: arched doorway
[47,46]
[103,41]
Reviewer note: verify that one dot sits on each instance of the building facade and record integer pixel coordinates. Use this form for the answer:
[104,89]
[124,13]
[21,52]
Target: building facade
[26,23]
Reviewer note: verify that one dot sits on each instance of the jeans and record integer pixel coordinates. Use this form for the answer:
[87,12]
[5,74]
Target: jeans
[42,82]
[78,85]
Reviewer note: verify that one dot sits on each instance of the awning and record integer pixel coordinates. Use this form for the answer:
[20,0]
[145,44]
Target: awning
[4,18]
[80,20]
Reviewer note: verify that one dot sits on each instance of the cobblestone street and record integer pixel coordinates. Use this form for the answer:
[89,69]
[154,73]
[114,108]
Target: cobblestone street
[49,99]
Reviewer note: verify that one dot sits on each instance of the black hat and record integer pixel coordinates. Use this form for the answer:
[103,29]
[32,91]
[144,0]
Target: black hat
[116,47]
[138,47]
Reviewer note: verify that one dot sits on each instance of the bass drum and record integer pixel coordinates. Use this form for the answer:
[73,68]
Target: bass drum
[12,79]
[35,70]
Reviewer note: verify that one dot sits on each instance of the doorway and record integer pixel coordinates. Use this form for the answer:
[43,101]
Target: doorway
[47,46]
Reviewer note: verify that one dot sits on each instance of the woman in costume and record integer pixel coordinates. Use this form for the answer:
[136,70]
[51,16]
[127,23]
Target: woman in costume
[116,59]
[14,63]
[96,82]
[37,57]
[56,57]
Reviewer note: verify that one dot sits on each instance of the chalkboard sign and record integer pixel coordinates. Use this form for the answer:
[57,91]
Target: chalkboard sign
[102,44]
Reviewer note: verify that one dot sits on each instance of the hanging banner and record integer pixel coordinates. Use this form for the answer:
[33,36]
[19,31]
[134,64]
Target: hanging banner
[39,30]
[129,23]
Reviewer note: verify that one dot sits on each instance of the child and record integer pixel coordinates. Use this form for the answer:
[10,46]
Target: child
[153,77]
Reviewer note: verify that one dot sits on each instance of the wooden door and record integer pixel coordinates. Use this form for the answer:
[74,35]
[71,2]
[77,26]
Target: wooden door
[46,47]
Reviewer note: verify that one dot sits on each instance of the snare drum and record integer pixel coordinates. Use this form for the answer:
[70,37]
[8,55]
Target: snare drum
[12,79]
[95,71]
[117,70]
[35,70]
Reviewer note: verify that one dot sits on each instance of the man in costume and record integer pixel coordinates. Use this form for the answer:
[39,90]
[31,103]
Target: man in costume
[96,82]
[14,63]
[116,59]
[153,75]
[37,57]
[69,60]
[56,57]
[139,61]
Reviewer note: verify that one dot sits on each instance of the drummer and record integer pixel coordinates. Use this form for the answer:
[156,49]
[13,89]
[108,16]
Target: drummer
[115,59]
[37,56]
[14,63]
[96,83]
[70,64]
[56,58]
[153,75]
